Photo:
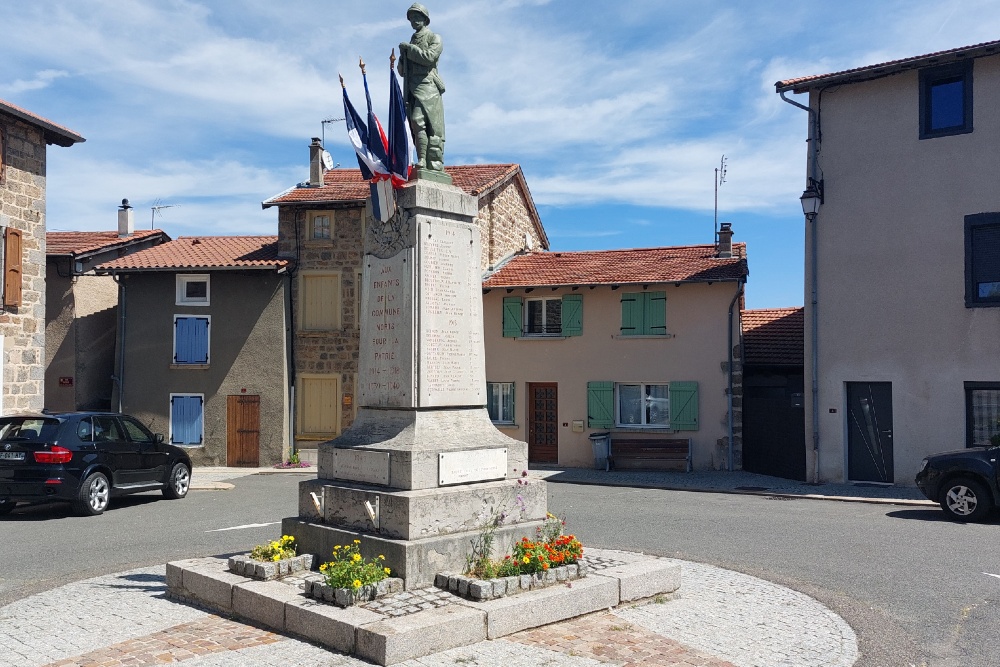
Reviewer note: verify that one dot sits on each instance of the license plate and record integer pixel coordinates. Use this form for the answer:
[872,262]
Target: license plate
[11,456]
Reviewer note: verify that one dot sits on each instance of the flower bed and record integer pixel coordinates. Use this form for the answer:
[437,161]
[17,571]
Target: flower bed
[246,566]
[489,589]
[316,587]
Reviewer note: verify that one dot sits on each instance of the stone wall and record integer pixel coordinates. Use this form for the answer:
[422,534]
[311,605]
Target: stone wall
[504,219]
[22,206]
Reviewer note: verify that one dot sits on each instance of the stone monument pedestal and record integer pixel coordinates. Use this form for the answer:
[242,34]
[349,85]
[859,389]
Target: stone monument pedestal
[422,468]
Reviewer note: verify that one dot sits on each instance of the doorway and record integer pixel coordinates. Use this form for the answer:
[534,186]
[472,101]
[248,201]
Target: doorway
[243,430]
[869,432]
[543,422]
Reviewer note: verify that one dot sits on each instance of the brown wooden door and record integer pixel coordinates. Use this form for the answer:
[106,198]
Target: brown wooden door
[243,430]
[543,422]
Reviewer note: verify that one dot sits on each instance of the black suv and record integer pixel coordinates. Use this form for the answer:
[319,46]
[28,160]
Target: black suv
[966,482]
[85,458]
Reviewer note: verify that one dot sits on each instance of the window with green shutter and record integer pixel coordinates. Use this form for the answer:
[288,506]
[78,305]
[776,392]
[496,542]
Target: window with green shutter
[644,313]
[512,310]
[600,404]
[572,315]
[684,406]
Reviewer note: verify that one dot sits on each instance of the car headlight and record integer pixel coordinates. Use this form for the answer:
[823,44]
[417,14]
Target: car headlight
[923,464]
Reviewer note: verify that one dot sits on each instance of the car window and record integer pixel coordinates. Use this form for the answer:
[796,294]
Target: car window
[136,431]
[28,428]
[85,430]
[106,429]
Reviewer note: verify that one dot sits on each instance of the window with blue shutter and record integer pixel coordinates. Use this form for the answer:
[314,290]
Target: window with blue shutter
[186,419]
[190,340]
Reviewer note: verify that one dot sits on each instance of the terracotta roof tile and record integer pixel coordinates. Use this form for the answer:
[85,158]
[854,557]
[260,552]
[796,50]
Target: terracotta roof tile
[804,83]
[203,252]
[617,267]
[79,243]
[774,336]
[54,133]
[346,185]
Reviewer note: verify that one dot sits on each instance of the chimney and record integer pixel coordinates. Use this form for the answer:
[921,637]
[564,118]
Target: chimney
[725,247]
[316,163]
[126,219]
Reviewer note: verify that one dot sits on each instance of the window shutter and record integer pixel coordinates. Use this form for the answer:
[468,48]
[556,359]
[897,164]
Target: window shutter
[600,404]
[512,313]
[12,268]
[631,314]
[572,315]
[186,420]
[684,406]
[191,344]
[655,315]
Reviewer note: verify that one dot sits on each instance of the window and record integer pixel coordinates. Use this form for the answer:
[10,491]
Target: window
[982,413]
[192,290]
[946,100]
[136,431]
[548,316]
[320,225]
[500,402]
[187,419]
[319,301]
[644,314]
[319,405]
[631,405]
[190,339]
[12,268]
[982,260]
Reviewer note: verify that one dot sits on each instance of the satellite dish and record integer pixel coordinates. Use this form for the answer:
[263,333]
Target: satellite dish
[327,160]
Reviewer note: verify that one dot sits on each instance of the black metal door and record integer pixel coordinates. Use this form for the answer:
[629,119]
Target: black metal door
[774,440]
[869,432]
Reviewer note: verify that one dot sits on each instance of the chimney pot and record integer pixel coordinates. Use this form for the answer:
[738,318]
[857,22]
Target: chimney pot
[316,163]
[126,219]
[725,247]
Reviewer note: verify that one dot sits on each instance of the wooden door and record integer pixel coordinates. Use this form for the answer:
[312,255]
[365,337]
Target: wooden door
[243,430]
[543,422]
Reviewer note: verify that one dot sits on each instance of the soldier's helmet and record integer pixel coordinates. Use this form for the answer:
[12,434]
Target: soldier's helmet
[419,9]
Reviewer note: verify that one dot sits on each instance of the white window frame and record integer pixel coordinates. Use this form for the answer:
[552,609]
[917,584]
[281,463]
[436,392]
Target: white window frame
[183,279]
[311,225]
[208,343]
[643,392]
[526,320]
[501,408]
[170,418]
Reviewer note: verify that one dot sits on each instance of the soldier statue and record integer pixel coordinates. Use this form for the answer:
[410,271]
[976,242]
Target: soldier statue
[423,88]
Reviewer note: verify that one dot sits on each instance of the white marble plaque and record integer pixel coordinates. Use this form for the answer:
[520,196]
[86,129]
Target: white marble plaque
[386,363]
[452,368]
[474,465]
[359,465]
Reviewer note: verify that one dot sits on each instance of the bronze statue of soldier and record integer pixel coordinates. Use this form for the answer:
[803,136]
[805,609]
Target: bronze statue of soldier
[422,92]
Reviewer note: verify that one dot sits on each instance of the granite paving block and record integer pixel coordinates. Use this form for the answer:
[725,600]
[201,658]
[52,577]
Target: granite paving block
[428,631]
[264,602]
[545,605]
[211,584]
[175,573]
[325,624]
[644,579]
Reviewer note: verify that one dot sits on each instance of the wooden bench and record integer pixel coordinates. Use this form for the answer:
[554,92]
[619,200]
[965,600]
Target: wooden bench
[650,454]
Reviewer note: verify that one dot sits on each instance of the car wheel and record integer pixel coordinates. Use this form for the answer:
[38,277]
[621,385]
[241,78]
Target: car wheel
[178,483]
[7,506]
[965,499]
[94,495]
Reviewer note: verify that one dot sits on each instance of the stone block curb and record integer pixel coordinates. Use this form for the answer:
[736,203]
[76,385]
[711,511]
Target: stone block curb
[263,602]
[245,566]
[644,579]
[489,589]
[393,640]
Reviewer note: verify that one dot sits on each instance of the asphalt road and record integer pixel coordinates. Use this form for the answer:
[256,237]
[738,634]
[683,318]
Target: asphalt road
[916,588]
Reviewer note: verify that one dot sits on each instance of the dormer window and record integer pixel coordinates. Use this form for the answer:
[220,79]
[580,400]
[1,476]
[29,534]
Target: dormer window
[193,289]
[946,100]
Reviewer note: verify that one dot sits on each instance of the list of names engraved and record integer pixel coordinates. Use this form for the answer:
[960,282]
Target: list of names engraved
[386,364]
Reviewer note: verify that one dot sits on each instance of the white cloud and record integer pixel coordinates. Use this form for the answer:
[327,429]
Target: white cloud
[41,80]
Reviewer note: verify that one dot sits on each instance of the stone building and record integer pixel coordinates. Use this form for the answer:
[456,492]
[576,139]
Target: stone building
[23,140]
[321,226]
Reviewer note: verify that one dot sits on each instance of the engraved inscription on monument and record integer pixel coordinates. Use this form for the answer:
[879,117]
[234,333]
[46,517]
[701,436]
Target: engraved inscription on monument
[360,465]
[474,465]
[452,370]
[385,367]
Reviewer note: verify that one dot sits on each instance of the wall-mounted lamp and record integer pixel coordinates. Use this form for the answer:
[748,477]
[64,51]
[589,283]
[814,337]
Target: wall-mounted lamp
[812,198]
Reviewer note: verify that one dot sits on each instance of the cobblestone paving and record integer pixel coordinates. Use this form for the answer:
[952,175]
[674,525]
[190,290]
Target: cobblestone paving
[410,602]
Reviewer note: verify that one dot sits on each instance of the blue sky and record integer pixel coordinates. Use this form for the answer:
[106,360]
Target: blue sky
[618,112]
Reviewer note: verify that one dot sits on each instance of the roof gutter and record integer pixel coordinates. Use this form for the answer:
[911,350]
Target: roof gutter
[812,170]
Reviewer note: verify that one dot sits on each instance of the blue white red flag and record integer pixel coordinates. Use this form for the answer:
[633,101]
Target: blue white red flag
[400,139]
[377,143]
[358,134]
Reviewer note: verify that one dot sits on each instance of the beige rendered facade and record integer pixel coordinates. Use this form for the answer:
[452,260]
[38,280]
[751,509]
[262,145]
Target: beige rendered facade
[666,374]
[904,358]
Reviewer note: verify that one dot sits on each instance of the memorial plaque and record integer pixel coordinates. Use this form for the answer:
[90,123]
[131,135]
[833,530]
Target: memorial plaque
[474,465]
[452,368]
[385,366]
[361,465]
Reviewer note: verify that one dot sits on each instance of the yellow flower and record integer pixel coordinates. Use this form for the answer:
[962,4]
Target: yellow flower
[526,559]
[381,557]
[337,548]
[357,583]
[357,541]
[276,557]
[322,568]
[356,557]
[386,570]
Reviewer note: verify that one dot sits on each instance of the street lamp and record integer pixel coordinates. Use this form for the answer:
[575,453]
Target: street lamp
[812,198]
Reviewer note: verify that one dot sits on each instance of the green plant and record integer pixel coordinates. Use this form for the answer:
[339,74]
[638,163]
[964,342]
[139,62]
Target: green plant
[276,550]
[294,458]
[349,569]
[550,549]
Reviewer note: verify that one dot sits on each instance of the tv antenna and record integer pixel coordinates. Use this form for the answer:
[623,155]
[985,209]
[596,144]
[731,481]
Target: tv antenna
[324,123]
[720,178]
[156,208]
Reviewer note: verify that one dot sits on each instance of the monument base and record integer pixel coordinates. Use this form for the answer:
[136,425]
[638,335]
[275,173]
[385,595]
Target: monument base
[416,562]
[420,173]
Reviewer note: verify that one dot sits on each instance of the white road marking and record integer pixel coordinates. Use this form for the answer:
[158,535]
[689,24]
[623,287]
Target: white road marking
[992,575]
[249,525]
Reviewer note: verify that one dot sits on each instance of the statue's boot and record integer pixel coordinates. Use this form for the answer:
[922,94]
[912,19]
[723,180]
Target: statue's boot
[435,153]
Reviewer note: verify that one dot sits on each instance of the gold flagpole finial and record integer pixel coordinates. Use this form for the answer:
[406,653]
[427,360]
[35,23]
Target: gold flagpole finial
[361,64]
[341,80]
[392,59]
